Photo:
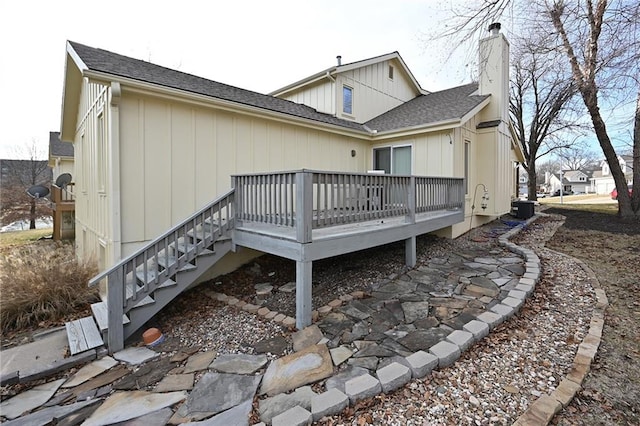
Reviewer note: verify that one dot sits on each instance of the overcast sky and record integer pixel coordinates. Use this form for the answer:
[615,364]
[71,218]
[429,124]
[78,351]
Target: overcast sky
[256,45]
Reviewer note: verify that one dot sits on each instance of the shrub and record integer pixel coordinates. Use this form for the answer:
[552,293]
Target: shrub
[42,282]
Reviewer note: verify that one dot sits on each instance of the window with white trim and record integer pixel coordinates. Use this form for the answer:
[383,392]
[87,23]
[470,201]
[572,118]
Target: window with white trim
[394,160]
[347,100]
[467,150]
[101,153]
[390,72]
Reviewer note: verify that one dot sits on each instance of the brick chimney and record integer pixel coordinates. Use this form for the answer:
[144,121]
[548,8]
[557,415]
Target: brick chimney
[494,73]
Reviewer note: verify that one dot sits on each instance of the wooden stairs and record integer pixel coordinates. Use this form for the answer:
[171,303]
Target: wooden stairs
[139,286]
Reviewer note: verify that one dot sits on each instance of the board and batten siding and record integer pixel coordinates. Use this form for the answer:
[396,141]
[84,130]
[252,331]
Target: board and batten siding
[374,93]
[320,95]
[175,157]
[91,146]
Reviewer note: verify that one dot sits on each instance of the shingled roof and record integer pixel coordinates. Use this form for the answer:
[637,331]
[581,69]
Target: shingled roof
[112,63]
[57,148]
[449,104]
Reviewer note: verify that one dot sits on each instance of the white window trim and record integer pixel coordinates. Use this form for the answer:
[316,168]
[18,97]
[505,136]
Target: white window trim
[348,114]
[392,146]
[391,72]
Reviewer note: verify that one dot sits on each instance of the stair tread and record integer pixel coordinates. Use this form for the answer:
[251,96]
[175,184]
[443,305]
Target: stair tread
[183,247]
[100,313]
[82,335]
[167,261]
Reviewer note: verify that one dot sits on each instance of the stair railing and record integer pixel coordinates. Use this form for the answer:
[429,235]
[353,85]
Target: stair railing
[159,260]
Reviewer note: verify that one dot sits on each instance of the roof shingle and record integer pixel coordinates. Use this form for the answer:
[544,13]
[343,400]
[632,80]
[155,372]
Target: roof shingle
[434,107]
[115,64]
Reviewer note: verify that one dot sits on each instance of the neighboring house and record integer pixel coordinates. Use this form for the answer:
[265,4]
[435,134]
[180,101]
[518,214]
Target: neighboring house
[153,145]
[62,197]
[576,181]
[60,155]
[602,181]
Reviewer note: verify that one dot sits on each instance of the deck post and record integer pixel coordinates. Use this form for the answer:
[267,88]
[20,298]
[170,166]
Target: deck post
[304,206]
[115,309]
[410,243]
[410,251]
[303,294]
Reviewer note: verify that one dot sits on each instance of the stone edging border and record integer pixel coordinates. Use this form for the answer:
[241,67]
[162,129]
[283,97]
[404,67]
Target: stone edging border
[542,411]
[447,352]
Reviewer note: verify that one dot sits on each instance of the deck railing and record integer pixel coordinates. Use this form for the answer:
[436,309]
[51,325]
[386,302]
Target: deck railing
[63,194]
[307,200]
[138,275]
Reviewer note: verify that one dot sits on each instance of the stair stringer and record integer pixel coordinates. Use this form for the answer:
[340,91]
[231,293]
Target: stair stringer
[138,316]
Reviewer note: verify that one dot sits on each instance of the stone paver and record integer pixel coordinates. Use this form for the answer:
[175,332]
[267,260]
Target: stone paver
[27,401]
[217,392]
[199,361]
[175,382]
[328,403]
[289,372]
[271,407]
[239,363]
[446,352]
[393,376]
[362,387]
[135,356]
[421,363]
[296,416]
[463,339]
[89,371]
[479,329]
[307,337]
[123,406]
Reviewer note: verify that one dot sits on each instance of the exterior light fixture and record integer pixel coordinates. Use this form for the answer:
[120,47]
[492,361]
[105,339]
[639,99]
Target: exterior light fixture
[353,152]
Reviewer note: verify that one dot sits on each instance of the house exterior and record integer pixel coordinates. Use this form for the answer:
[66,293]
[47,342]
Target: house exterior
[60,155]
[61,162]
[153,144]
[602,181]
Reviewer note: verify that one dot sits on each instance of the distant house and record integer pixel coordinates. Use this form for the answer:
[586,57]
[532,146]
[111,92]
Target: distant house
[154,146]
[60,155]
[61,162]
[602,181]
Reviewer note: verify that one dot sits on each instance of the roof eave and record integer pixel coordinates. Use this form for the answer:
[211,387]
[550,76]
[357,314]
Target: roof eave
[304,82]
[73,73]
[142,87]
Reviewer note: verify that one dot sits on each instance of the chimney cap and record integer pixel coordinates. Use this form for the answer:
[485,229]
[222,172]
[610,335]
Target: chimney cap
[339,58]
[495,28]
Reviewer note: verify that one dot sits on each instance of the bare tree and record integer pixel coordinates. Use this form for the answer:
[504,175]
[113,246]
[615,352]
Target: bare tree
[577,157]
[541,91]
[600,40]
[17,177]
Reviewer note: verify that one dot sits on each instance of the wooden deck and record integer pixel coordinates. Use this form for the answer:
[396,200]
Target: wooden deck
[301,215]
[340,239]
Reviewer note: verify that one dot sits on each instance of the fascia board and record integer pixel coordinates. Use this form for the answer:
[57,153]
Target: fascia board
[302,83]
[73,72]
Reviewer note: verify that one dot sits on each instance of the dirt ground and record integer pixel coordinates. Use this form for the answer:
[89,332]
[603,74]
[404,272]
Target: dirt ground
[611,391]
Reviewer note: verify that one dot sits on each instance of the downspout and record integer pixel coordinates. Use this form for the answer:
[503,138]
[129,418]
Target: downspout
[114,171]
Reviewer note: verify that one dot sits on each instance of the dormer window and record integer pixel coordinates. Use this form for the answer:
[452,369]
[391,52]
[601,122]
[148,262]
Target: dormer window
[347,100]
[390,72]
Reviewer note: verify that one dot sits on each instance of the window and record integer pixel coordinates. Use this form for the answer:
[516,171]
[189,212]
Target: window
[390,72]
[467,147]
[101,153]
[393,160]
[347,100]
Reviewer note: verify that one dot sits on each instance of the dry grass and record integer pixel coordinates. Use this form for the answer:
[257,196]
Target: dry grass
[42,282]
[23,237]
